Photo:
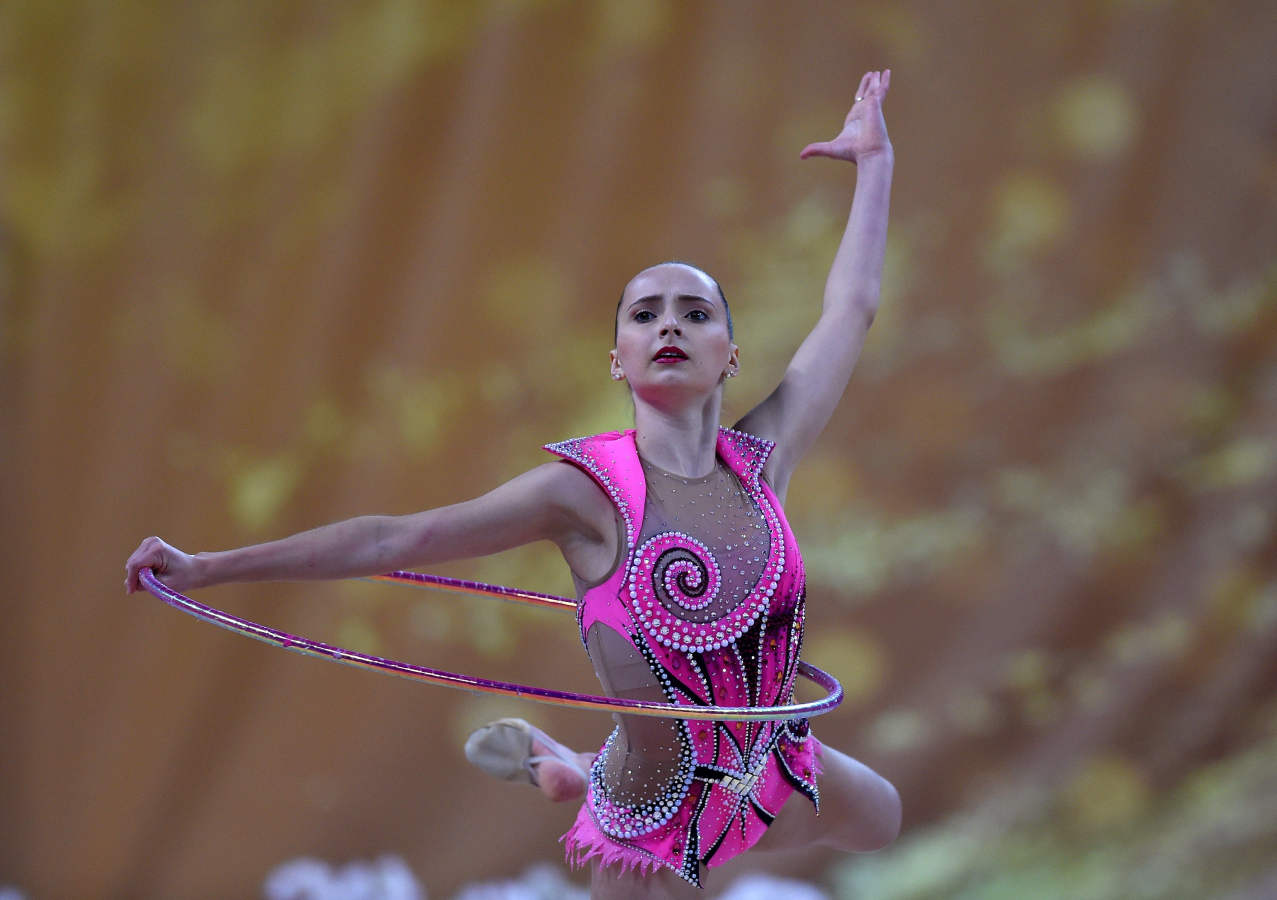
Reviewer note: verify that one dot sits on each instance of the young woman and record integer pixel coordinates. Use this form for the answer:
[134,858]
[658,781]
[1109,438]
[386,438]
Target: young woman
[689,580]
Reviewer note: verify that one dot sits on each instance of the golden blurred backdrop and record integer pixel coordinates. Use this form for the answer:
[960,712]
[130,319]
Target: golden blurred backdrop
[271,265]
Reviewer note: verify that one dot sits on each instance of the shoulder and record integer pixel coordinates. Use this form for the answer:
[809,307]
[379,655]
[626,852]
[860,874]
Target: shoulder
[570,496]
[754,446]
[760,457]
[606,472]
[564,483]
[750,453]
[611,459]
[595,450]
[560,484]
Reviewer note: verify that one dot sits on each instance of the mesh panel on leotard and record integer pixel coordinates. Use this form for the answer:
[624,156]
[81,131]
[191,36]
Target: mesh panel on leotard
[710,545]
[701,579]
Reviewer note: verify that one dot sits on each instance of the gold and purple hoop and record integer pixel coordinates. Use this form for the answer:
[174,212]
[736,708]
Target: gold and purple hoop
[475,684]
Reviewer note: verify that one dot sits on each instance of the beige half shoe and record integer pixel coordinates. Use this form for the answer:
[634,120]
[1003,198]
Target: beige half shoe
[503,749]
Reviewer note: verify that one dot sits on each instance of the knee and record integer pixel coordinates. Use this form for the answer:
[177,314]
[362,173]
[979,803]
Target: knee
[893,813]
[877,822]
[887,816]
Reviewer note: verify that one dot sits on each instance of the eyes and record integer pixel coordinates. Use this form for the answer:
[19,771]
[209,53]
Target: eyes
[696,315]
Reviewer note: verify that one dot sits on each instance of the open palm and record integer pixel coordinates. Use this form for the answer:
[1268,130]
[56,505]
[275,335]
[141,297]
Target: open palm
[864,132]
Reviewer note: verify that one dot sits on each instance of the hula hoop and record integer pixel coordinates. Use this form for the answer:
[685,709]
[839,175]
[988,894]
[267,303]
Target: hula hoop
[475,684]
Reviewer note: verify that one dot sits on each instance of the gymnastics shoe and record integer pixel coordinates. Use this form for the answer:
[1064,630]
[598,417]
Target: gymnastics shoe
[504,749]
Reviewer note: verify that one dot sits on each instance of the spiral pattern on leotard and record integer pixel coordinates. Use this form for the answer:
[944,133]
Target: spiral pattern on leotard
[674,573]
[681,570]
[688,581]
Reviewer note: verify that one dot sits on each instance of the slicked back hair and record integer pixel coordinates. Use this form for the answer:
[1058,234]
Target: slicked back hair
[616,325]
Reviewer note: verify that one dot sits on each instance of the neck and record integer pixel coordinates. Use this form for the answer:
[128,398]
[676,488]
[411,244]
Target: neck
[680,440]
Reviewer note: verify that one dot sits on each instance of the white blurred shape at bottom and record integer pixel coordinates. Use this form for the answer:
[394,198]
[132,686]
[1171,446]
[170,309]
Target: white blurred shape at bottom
[539,882]
[547,882]
[388,878]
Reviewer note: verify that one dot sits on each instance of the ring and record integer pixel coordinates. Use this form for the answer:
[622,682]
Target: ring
[833,690]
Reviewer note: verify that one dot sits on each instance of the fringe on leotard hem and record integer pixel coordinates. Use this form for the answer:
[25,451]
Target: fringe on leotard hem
[583,843]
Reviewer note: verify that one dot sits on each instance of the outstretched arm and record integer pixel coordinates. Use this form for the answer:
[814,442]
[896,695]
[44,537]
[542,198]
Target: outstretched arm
[553,502]
[796,412]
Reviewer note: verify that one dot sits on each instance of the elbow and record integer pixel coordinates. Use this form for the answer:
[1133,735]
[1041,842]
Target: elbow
[398,542]
[865,306]
[854,313]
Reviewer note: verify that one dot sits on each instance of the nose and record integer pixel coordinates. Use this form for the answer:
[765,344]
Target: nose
[670,325]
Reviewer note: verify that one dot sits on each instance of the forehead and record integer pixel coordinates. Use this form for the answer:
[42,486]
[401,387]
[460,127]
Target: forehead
[670,278]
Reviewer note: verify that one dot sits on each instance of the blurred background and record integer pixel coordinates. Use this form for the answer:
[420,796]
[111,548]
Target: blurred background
[266,266]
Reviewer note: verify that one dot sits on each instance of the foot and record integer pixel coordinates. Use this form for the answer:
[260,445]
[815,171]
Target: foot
[558,780]
[513,750]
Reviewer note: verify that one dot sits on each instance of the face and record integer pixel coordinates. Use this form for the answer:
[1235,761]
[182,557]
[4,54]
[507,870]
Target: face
[671,336]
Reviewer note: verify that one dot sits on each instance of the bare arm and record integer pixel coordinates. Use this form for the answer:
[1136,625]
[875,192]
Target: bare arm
[796,412]
[552,502]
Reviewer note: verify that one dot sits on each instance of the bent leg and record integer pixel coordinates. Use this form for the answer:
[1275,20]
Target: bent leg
[515,750]
[557,780]
[859,810]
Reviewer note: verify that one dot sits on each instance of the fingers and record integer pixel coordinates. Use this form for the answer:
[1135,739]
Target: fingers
[148,555]
[863,89]
[133,583]
[874,84]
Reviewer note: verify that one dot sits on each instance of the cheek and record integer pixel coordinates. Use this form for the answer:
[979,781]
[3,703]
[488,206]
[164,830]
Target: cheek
[627,344]
[721,344]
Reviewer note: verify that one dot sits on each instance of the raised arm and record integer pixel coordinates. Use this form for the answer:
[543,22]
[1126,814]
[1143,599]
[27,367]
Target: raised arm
[553,502]
[796,412]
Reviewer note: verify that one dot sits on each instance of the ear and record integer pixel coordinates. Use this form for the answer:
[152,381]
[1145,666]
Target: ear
[733,363]
[617,373]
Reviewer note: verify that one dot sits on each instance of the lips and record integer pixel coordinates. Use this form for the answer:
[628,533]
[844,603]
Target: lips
[669,355]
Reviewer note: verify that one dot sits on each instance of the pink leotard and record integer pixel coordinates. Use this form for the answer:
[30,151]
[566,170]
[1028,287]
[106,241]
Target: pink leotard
[705,607]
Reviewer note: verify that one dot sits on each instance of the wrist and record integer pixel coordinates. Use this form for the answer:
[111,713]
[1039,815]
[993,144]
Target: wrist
[202,565]
[878,159]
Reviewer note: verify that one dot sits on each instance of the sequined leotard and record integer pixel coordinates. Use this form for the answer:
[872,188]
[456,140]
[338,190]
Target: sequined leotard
[705,607]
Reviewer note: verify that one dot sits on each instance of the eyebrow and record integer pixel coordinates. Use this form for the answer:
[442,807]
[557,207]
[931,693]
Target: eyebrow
[686,298]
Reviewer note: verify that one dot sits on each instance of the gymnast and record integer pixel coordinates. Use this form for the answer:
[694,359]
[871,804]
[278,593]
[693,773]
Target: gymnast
[689,581]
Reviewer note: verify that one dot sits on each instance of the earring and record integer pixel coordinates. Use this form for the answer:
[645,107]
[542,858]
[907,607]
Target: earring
[617,376]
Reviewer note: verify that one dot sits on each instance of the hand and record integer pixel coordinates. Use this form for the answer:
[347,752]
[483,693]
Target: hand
[864,133]
[173,567]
